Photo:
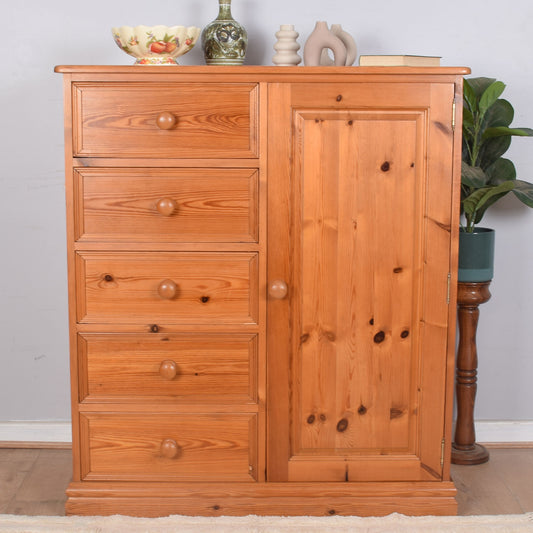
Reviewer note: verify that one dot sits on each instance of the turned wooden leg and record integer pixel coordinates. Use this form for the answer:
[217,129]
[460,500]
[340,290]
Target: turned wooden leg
[465,451]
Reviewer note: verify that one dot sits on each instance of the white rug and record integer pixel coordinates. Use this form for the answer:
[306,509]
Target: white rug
[267,524]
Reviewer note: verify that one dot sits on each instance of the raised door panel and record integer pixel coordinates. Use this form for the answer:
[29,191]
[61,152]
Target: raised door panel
[360,265]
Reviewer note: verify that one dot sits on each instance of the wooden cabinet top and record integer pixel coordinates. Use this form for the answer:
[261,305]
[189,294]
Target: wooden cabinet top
[264,73]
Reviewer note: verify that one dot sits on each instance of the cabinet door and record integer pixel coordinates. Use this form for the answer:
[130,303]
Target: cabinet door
[360,209]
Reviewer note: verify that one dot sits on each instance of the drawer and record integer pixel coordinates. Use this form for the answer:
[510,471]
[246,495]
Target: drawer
[203,367]
[154,119]
[167,287]
[166,205]
[156,447]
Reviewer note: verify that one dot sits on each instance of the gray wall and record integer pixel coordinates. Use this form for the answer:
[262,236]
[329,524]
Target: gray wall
[490,37]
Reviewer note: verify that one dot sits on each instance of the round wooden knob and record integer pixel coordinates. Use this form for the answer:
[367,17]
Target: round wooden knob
[169,448]
[168,369]
[166,206]
[278,289]
[166,121]
[167,289]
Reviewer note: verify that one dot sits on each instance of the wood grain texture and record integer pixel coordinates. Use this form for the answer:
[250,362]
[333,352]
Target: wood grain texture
[340,183]
[210,368]
[120,119]
[288,499]
[439,243]
[280,266]
[127,446]
[210,288]
[355,391]
[211,205]
[360,282]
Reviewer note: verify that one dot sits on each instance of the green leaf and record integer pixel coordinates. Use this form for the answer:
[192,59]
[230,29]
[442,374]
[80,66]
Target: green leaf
[480,85]
[500,114]
[479,201]
[490,95]
[468,121]
[482,210]
[469,97]
[465,151]
[501,131]
[523,190]
[473,176]
[492,149]
[501,170]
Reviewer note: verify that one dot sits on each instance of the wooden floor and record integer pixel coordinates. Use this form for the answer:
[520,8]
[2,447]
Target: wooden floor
[33,482]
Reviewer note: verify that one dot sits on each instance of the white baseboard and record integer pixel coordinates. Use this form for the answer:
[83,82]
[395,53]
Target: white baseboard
[42,431]
[504,431]
[35,431]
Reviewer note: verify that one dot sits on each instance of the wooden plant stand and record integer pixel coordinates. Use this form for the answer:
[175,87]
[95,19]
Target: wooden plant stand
[465,450]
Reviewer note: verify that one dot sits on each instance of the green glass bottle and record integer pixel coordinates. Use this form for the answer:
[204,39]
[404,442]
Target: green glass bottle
[224,40]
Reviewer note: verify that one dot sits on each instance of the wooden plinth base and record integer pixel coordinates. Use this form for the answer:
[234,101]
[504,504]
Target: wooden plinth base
[473,455]
[275,499]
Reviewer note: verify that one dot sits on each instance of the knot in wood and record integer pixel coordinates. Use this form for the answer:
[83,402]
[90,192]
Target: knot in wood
[342,425]
[404,334]
[329,335]
[154,328]
[310,419]
[379,337]
[385,167]
[395,413]
[362,410]
[339,98]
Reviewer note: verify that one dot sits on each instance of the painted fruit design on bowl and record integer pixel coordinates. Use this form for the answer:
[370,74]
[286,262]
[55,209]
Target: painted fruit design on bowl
[156,45]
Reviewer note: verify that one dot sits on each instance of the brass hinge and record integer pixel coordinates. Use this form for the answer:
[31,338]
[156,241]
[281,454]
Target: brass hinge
[453,115]
[442,443]
[449,288]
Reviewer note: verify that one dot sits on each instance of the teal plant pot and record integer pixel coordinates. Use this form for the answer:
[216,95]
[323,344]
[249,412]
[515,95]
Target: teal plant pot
[476,255]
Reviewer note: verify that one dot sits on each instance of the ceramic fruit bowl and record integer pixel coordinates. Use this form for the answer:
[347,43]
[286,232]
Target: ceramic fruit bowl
[156,45]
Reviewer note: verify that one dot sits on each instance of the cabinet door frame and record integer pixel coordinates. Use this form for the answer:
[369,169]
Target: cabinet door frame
[435,100]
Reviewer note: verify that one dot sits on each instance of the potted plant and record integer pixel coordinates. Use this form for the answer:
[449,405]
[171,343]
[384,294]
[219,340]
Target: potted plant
[486,176]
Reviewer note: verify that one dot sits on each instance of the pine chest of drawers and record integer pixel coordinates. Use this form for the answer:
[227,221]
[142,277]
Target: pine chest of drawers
[262,269]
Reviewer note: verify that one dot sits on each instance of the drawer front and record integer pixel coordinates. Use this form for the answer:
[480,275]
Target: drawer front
[203,367]
[155,447]
[173,287]
[185,120]
[166,205]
